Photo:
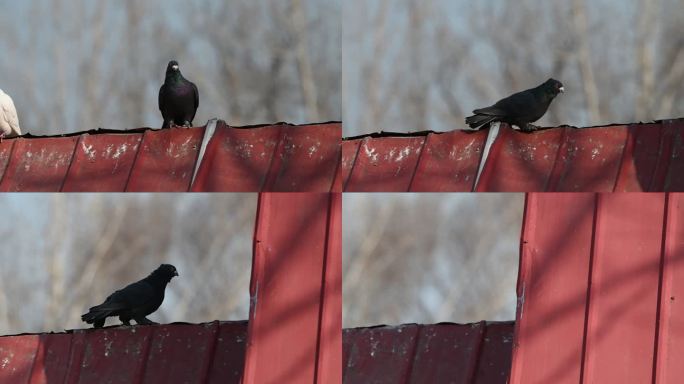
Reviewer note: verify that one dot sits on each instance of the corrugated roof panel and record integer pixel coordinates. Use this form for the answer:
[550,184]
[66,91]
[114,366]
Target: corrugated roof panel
[440,353]
[245,156]
[291,281]
[674,163]
[128,346]
[440,343]
[279,157]
[597,288]
[16,358]
[172,353]
[38,165]
[636,157]
[5,152]
[229,355]
[523,160]
[52,358]
[449,162]
[271,158]
[552,287]
[102,163]
[380,354]
[669,367]
[624,286]
[308,160]
[385,165]
[166,160]
[172,344]
[330,335]
[494,365]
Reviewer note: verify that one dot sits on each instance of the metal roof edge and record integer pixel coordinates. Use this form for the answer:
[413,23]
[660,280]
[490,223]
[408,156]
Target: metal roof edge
[72,331]
[380,134]
[102,131]
[397,326]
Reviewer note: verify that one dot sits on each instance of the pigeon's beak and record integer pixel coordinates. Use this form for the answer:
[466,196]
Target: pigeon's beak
[561,89]
[175,273]
[174,67]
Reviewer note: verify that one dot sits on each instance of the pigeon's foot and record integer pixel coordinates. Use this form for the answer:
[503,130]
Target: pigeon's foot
[98,323]
[529,128]
[2,136]
[187,124]
[144,321]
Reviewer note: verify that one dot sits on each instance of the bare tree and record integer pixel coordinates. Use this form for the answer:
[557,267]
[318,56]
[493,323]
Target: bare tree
[86,246]
[254,62]
[427,66]
[429,257]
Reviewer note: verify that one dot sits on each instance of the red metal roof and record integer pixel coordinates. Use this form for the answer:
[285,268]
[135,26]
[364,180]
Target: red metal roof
[599,291]
[293,334]
[296,290]
[635,157]
[278,157]
[173,353]
[437,353]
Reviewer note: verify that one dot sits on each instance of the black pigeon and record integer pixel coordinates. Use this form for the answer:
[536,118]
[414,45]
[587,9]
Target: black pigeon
[136,301]
[519,109]
[178,98]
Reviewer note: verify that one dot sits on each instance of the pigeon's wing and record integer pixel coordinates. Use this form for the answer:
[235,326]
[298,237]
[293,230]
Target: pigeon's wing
[514,105]
[162,96]
[134,295]
[196,94]
[10,113]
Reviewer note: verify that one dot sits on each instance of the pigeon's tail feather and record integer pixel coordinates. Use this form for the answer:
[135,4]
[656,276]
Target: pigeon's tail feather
[477,121]
[95,315]
[99,313]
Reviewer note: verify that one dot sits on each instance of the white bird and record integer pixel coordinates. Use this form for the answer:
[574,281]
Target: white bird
[9,122]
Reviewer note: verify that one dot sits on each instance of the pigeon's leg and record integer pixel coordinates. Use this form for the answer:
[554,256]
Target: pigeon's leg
[187,124]
[2,135]
[529,127]
[144,321]
[98,323]
[125,320]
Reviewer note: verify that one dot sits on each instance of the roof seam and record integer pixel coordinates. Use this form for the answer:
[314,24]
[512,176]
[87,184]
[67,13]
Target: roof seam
[9,159]
[269,178]
[414,347]
[587,308]
[146,354]
[661,274]
[420,157]
[33,361]
[353,165]
[557,169]
[216,328]
[322,293]
[478,352]
[135,160]
[627,151]
[71,162]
